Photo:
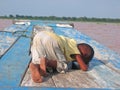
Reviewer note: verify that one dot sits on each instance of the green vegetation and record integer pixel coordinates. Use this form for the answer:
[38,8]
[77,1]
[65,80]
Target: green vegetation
[85,19]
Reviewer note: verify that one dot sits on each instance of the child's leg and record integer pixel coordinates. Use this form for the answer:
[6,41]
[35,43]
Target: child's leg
[34,69]
[43,67]
[52,63]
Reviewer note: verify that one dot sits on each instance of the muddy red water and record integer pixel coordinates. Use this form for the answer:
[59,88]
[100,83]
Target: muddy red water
[5,23]
[107,34]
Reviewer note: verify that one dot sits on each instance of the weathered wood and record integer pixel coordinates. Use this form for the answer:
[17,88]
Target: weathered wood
[6,41]
[14,63]
[27,81]
[103,75]
[98,76]
[72,79]
[75,79]
[9,36]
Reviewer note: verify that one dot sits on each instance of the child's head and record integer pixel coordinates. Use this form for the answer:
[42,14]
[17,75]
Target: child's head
[86,51]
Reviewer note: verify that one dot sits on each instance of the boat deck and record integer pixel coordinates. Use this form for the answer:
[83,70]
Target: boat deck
[104,69]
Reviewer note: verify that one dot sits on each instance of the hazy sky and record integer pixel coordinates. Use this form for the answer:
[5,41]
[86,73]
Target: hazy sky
[70,8]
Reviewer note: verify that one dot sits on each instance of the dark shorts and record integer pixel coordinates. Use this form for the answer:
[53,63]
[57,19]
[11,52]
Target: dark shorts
[73,65]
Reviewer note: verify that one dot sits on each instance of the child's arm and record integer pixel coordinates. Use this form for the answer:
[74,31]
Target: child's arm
[80,61]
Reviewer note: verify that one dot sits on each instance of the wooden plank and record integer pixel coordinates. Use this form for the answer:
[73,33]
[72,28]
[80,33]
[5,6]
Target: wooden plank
[103,75]
[45,88]
[74,79]
[9,36]
[98,76]
[6,41]
[27,81]
[14,63]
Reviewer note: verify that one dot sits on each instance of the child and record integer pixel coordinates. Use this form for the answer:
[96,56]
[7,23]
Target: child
[51,50]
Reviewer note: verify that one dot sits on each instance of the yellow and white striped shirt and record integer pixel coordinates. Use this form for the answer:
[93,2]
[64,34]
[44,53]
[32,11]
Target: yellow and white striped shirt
[67,45]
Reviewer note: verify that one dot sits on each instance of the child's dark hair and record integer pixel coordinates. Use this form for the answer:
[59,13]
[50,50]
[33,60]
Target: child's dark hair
[86,51]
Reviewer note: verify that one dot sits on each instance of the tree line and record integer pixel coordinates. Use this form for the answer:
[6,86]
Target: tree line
[61,18]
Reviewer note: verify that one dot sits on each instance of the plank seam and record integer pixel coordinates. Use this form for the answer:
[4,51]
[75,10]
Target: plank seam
[10,47]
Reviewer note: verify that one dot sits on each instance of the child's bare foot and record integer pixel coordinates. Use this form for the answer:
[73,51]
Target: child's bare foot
[35,74]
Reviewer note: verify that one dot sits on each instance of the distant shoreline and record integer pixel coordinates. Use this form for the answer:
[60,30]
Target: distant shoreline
[56,18]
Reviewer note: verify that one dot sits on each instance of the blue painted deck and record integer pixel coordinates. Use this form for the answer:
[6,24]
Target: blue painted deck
[36,88]
[14,62]
[104,68]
